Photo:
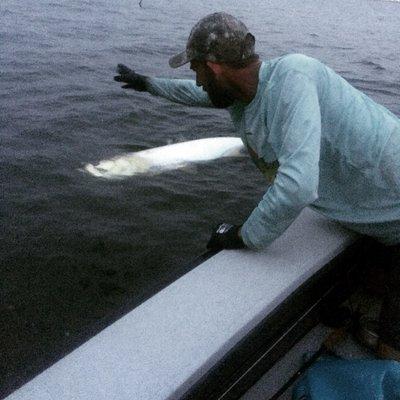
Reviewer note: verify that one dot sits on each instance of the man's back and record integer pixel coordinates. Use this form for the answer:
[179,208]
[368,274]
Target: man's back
[312,120]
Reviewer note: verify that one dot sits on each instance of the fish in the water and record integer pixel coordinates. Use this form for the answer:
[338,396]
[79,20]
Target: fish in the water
[167,157]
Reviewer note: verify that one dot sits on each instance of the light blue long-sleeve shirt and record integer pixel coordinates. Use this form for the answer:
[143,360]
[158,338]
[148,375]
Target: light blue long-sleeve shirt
[337,151]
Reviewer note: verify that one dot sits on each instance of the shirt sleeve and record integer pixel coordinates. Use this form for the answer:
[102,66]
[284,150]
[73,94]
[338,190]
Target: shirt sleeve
[294,122]
[182,91]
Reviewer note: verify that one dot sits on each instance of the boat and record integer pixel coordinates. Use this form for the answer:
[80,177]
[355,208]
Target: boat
[234,327]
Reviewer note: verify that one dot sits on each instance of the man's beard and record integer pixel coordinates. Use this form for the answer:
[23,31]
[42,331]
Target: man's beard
[221,97]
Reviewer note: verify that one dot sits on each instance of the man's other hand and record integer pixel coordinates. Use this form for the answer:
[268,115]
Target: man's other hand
[226,236]
[131,78]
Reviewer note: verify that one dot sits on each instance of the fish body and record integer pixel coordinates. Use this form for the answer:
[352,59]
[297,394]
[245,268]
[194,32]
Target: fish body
[167,157]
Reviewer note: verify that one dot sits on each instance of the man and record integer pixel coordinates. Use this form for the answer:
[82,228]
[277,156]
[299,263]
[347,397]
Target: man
[321,142]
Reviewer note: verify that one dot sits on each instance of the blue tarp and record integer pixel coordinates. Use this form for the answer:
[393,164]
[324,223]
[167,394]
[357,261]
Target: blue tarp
[338,379]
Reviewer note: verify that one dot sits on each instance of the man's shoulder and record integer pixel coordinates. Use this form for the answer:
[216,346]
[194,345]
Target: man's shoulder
[297,62]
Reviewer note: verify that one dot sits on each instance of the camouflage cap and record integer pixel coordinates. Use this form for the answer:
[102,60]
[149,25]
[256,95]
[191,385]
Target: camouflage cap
[217,37]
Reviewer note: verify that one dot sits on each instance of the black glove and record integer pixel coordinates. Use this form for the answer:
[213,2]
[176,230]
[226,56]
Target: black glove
[133,80]
[225,236]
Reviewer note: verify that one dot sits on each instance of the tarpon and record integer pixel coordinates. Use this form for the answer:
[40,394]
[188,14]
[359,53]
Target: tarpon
[172,156]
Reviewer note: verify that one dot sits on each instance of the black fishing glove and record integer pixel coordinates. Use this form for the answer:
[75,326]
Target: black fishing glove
[225,236]
[134,81]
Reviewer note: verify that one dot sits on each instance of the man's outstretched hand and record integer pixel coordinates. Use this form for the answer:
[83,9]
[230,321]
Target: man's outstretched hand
[226,236]
[131,78]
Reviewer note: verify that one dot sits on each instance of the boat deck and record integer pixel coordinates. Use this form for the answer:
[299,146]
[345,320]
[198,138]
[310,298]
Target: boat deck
[348,348]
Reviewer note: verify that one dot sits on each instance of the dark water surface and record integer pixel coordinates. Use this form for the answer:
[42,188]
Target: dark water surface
[78,252]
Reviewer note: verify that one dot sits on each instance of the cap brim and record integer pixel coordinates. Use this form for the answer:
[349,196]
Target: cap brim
[179,60]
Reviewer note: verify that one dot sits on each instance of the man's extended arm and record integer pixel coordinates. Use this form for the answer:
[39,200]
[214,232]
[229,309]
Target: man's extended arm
[182,91]
[295,132]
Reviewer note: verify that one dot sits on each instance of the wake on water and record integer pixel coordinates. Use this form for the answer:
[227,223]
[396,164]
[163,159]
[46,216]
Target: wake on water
[164,158]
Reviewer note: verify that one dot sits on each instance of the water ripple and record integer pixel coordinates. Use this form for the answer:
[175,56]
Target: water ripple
[372,64]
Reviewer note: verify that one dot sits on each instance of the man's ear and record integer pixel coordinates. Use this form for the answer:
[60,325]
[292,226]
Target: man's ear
[249,43]
[216,68]
[249,40]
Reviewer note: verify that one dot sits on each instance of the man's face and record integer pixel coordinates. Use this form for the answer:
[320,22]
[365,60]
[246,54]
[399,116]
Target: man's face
[217,89]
